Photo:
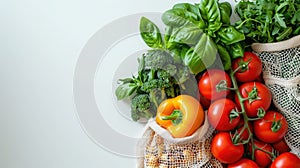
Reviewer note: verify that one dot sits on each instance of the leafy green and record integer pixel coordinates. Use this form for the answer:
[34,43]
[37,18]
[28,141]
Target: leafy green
[202,56]
[226,11]
[189,35]
[225,57]
[178,17]
[211,13]
[150,33]
[229,35]
[125,90]
[267,21]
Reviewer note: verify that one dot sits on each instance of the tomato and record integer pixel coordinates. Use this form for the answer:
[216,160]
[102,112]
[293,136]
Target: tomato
[219,112]
[281,146]
[209,81]
[251,67]
[245,134]
[271,128]
[259,96]
[286,160]
[204,102]
[243,163]
[224,150]
[262,158]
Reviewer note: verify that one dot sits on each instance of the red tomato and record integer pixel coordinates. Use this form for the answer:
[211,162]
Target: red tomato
[243,163]
[271,128]
[218,115]
[209,81]
[224,150]
[286,160]
[281,146]
[251,67]
[204,102]
[259,96]
[245,133]
[262,158]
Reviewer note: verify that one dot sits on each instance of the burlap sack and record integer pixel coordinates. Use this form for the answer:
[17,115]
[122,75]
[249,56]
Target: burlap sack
[160,150]
[281,73]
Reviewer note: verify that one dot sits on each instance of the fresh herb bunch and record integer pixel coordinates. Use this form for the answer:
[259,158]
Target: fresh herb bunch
[158,78]
[195,33]
[267,21]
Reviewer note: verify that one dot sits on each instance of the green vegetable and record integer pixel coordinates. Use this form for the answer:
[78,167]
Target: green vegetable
[226,11]
[196,29]
[267,21]
[225,57]
[236,50]
[189,35]
[229,35]
[157,59]
[177,17]
[141,107]
[158,78]
[194,34]
[202,55]
[211,13]
[150,33]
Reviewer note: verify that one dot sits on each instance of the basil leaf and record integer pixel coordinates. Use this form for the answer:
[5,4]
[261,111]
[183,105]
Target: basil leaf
[125,90]
[236,50]
[201,56]
[229,35]
[178,17]
[186,35]
[193,9]
[150,33]
[126,80]
[168,33]
[210,12]
[225,57]
[188,7]
[226,11]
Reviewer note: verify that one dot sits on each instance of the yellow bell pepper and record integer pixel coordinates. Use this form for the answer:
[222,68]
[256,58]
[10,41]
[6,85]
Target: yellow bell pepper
[181,115]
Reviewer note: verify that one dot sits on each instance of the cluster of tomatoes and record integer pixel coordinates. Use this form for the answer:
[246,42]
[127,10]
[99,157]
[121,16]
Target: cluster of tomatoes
[249,131]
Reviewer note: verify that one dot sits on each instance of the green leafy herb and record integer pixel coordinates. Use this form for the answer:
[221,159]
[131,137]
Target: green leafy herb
[150,33]
[267,21]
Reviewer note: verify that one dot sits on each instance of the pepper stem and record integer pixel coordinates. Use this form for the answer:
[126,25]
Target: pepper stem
[175,117]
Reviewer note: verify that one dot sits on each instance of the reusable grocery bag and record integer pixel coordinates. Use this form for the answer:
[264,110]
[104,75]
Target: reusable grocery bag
[281,73]
[160,150]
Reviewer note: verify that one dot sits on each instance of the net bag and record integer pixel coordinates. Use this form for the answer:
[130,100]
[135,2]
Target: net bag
[160,150]
[281,73]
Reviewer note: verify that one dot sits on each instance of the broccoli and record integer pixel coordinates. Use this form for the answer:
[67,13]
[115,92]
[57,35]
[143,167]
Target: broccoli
[158,78]
[141,107]
[157,59]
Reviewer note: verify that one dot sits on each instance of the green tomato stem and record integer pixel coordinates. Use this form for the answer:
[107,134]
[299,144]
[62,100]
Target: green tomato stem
[243,110]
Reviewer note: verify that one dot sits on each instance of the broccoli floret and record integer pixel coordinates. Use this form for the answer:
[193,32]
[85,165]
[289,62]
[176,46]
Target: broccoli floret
[157,59]
[141,107]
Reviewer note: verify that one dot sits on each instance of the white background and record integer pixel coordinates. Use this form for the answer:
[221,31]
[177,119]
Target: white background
[40,41]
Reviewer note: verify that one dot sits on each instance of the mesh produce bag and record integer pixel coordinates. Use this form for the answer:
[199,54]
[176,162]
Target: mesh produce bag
[281,73]
[160,150]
